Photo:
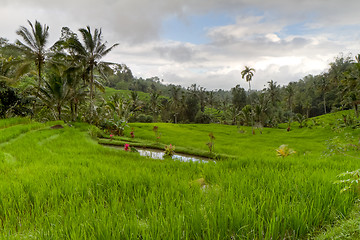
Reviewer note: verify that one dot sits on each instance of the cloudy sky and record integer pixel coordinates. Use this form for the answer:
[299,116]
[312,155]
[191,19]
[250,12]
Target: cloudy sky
[207,42]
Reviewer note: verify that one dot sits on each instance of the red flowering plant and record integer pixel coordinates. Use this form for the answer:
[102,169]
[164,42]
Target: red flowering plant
[127,147]
[169,150]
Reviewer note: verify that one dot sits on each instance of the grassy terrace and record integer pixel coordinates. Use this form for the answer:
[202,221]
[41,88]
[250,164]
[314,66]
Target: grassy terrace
[61,184]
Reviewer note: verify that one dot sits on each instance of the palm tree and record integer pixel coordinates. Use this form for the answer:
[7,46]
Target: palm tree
[90,53]
[290,94]
[55,92]
[273,91]
[33,49]
[154,104]
[175,103]
[248,74]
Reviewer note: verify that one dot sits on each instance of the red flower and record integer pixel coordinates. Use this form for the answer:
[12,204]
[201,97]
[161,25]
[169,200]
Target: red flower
[126,148]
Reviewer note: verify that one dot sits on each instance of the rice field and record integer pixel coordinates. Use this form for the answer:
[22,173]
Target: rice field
[61,184]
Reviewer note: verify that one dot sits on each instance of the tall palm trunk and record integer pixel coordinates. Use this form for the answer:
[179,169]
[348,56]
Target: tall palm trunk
[91,92]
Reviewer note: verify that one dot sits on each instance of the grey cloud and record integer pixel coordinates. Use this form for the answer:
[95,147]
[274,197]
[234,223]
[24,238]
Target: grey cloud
[178,53]
[137,25]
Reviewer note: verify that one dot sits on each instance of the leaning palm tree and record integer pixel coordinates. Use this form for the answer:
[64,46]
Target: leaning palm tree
[248,74]
[90,53]
[33,48]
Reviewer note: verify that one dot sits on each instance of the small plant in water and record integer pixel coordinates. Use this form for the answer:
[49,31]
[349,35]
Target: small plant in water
[351,180]
[284,151]
[211,143]
[169,151]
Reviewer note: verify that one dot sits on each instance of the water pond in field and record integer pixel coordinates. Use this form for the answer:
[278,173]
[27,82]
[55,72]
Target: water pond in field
[159,154]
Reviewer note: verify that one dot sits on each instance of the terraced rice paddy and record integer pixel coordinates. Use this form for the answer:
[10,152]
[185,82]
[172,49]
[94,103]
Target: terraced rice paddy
[61,184]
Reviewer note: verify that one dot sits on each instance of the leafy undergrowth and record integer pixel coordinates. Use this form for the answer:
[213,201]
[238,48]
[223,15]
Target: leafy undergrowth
[346,229]
[61,184]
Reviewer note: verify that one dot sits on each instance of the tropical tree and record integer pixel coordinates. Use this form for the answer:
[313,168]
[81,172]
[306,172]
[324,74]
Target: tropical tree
[273,91]
[323,86]
[154,104]
[175,103]
[54,92]
[90,54]
[32,49]
[290,91]
[248,74]
[238,97]
[351,86]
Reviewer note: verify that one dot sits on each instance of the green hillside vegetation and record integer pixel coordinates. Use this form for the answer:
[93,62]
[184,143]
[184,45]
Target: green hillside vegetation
[123,93]
[55,180]
[273,154]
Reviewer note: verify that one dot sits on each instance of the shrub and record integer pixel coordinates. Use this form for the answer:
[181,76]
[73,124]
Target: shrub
[145,118]
[284,151]
[202,118]
[95,132]
[351,180]
[169,150]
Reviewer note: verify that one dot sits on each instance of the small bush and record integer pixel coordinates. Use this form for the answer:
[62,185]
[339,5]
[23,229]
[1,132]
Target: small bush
[202,118]
[145,118]
[284,151]
[95,132]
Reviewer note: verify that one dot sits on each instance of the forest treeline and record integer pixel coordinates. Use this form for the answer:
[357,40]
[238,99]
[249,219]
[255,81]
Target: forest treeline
[65,81]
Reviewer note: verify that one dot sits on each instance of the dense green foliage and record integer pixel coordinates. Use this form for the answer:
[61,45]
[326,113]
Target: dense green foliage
[64,81]
[60,184]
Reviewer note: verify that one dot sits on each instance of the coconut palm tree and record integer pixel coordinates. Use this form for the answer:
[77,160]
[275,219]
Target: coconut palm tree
[33,48]
[274,92]
[248,74]
[90,54]
[55,92]
[175,104]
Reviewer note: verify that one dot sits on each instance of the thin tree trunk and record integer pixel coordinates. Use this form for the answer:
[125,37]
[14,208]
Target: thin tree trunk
[91,92]
[324,104]
[59,112]
[356,110]
[251,111]
[39,75]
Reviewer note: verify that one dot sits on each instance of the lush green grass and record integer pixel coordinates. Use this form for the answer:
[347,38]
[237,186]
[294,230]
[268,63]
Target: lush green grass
[346,229]
[60,184]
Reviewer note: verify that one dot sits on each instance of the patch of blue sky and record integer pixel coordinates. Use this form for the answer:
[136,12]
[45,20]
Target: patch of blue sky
[193,29]
[295,29]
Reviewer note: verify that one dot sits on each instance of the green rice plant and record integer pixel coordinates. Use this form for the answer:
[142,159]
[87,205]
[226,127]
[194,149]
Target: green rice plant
[60,184]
